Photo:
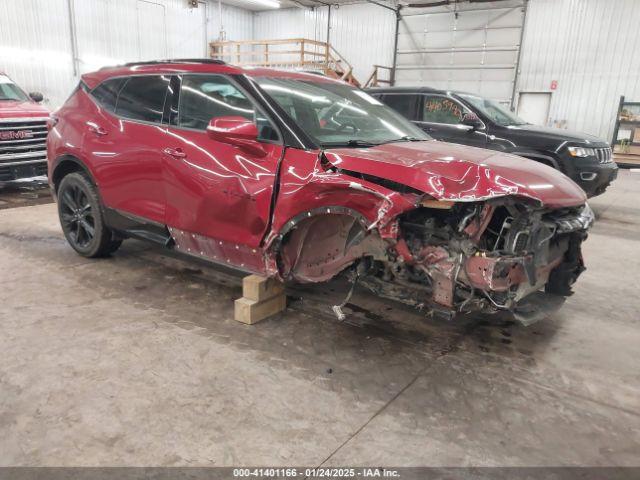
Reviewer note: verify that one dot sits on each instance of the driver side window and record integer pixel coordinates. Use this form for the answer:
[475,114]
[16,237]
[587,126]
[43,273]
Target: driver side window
[440,109]
[205,97]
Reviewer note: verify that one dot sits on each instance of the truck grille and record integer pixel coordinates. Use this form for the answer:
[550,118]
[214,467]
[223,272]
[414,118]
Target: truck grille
[23,148]
[603,155]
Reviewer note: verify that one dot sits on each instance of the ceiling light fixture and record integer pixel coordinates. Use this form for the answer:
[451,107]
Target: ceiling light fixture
[265,3]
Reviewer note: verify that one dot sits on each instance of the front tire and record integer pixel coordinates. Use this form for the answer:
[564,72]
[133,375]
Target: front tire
[82,219]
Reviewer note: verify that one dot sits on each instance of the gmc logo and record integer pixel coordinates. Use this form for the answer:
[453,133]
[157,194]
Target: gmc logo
[16,135]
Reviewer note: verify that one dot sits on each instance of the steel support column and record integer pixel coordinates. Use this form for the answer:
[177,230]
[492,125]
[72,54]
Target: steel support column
[328,26]
[73,37]
[392,77]
[516,75]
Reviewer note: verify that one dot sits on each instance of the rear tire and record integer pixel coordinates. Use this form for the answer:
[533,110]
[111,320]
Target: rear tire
[82,219]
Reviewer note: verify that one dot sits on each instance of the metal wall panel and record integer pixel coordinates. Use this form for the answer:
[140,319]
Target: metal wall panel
[590,48]
[288,23]
[35,38]
[237,22]
[35,46]
[362,33]
[473,47]
[280,24]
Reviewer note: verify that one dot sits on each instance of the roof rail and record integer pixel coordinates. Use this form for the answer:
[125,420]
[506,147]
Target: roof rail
[177,60]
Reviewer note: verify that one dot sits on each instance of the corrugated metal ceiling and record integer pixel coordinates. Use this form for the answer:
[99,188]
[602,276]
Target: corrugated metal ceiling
[425,5]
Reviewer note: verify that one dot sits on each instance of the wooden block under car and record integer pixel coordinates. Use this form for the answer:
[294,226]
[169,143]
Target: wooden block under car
[255,287]
[251,311]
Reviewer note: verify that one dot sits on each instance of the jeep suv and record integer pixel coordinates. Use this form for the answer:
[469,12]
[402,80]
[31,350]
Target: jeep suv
[468,119]
[301,177]
[23,131]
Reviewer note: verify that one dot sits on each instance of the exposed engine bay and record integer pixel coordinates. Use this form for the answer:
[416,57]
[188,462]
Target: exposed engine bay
[452,257]
[489,257]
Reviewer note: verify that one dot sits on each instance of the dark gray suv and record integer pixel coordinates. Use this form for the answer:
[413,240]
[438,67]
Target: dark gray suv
[468,119]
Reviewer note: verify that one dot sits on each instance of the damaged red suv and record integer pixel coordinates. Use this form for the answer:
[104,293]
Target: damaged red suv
[300,177]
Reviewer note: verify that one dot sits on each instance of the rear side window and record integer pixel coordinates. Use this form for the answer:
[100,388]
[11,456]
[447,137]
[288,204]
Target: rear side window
[106,94]
[403,104]
[142,98]
[439,109]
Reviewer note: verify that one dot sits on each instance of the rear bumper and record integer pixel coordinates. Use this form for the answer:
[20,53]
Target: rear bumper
[594,179]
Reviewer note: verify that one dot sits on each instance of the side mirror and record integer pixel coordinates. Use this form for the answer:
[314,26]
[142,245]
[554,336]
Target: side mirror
[238,131]
[36,96]
[472,120]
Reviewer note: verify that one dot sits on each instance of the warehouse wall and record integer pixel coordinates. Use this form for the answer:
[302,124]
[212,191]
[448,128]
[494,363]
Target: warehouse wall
[36,45]
[473,49]
[590,47]
[362,33]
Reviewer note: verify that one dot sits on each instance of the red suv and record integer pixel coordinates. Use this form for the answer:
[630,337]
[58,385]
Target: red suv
[301,177]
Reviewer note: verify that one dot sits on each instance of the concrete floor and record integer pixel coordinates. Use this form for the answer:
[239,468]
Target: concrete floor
[20,194]
[135,360]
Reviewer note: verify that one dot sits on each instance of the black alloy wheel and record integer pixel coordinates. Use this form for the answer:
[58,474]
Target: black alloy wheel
[82,219]
[77,216]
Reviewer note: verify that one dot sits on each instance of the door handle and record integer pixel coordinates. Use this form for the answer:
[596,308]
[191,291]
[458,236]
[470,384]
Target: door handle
[175,152]
[97,129]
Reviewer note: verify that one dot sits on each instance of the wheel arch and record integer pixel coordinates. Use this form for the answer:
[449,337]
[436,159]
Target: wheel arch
[317,244]
[544,158]
[65,165]
[314,213]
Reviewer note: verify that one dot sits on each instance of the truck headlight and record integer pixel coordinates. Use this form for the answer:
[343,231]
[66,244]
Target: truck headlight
[581,152]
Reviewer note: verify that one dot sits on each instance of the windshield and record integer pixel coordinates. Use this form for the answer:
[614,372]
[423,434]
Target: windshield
[10,91]
[493,110]
[335,114]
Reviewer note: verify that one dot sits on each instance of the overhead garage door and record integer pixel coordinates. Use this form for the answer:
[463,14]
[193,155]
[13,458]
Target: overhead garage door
[470,47]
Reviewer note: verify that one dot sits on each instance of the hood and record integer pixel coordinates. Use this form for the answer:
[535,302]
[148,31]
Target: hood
[558,134]
[15,109]
[459,173]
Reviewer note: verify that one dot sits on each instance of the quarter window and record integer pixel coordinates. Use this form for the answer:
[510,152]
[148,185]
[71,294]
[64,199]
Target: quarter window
[106,94]
[205,97]
[439,109]
[142,98]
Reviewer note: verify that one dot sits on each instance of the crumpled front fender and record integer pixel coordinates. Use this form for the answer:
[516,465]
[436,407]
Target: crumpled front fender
[308,191]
